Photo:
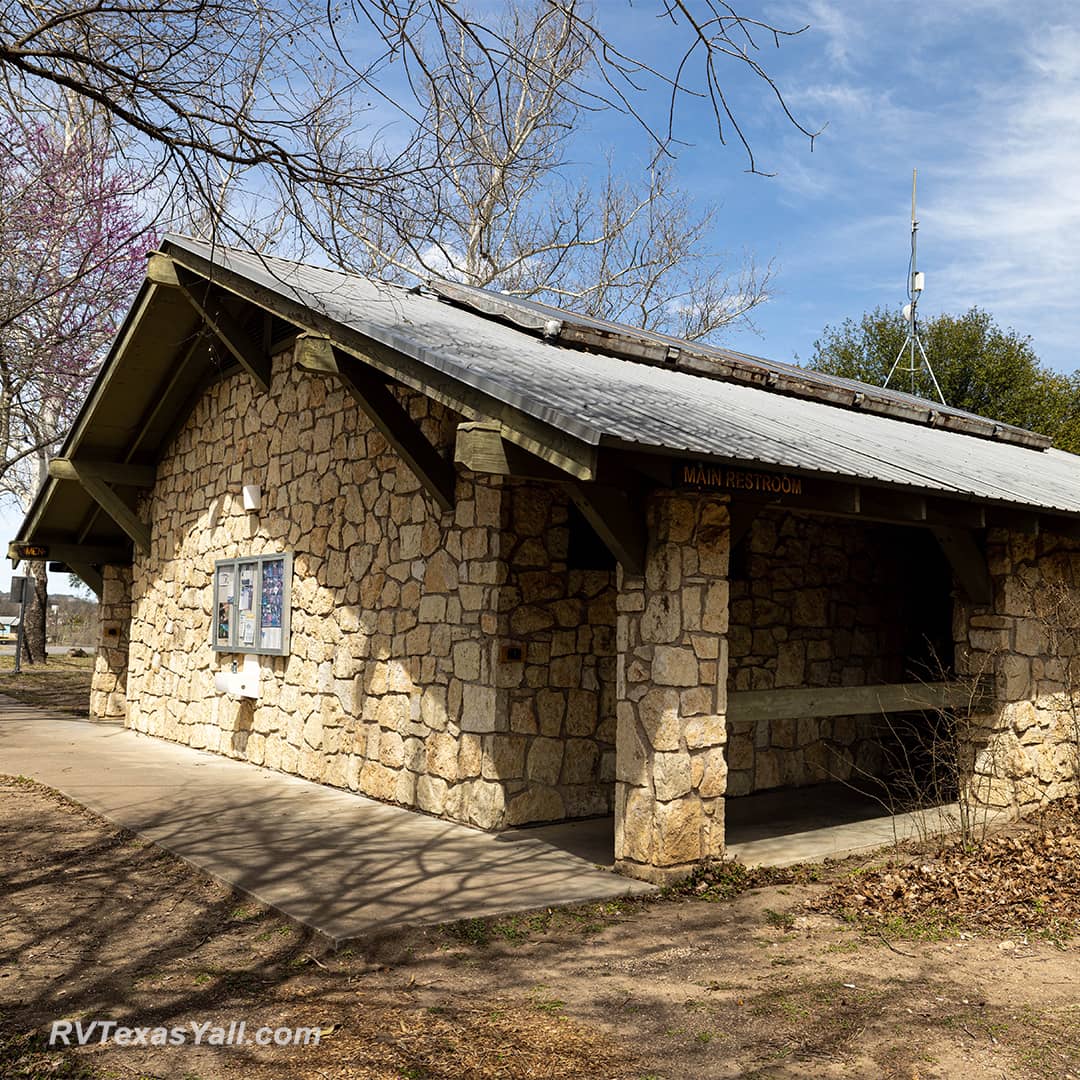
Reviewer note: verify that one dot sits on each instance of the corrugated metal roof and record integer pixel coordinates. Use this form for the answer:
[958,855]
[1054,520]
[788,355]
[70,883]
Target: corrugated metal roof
[648,346]
[602,398]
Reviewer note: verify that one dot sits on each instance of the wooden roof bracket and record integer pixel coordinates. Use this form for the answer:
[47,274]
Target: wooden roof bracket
[209,304]
[90,575]
[612,511]
[618,517]
[968,562]
[317,354]
[91,480]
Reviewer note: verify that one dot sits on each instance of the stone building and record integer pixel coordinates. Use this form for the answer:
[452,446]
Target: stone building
[506,565]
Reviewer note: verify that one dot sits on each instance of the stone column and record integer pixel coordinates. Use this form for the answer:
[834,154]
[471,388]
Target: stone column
[108,687]
[672,691]
[1025,745]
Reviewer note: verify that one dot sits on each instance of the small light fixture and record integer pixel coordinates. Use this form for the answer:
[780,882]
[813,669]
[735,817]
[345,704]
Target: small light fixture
[252,498]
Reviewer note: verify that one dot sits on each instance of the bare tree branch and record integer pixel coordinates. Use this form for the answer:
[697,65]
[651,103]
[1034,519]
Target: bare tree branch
[235,107]
[508,213]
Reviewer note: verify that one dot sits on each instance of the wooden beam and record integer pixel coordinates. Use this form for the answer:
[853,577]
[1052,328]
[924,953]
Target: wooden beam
[67,552]
[318,355]
[93,578]
[955,513]
[764,705]
[1060,525]
[895,505]
[315,353]
[115,507]
[112,472]
[1025,522]
[618,518]
[210,303]
[968,562]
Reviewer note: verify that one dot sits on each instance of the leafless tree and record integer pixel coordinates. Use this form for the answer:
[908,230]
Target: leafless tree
[272,99]
[513,211]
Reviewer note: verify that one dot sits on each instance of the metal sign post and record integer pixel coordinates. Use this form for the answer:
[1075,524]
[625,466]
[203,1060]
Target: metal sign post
[18,593]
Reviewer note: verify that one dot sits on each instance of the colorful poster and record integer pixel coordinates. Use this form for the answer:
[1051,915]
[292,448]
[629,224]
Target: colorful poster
[272,603]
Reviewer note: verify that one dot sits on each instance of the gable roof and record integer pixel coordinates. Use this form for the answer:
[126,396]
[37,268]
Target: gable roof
[567,387]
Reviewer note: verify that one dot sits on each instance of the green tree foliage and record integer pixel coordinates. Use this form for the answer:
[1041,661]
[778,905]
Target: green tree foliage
[981,368]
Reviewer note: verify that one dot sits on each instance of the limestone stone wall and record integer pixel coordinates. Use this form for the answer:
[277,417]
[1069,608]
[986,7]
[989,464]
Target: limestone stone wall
[814,602]
[396,684]
[559,755]
[672,691]
[108,685]
[1026,743]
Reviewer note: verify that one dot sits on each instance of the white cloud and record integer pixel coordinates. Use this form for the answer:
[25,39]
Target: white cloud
[829,23]
[1006,210]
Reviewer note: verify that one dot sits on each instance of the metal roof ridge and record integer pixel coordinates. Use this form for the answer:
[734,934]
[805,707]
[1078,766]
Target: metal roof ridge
[664,351]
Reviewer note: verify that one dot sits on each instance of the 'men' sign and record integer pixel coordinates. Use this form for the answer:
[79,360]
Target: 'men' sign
[730,479]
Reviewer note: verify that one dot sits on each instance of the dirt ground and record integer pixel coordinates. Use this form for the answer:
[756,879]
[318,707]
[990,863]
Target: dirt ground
[95,924]
[62,682]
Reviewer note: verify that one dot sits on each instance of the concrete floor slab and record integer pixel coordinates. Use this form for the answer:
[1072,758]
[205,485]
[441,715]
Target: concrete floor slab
[825,821]
[775,828]
[332,860]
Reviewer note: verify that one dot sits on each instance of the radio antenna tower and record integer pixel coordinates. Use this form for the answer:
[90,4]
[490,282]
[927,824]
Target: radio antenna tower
[913,348]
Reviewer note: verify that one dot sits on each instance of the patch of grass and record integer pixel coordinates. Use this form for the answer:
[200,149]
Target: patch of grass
[62,682]
[543,1003]
[724,879]
[843,947]
[27,1057]
[517,929]
[781,920]
[469,931]
[930,925]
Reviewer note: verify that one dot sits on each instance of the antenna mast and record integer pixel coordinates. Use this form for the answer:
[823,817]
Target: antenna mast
[913,347]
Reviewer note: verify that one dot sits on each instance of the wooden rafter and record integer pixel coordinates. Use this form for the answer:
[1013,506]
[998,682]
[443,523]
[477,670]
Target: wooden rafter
[110,471]
[618,518]
[481,446]
[92,483]
[212,305]
[968,562]
[369,391]
[88,574]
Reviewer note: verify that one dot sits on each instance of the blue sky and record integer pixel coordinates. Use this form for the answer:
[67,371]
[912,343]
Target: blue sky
[983,98]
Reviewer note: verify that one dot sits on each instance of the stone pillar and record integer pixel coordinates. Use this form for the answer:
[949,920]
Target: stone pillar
[671,691]
[1025,746]
[108,688]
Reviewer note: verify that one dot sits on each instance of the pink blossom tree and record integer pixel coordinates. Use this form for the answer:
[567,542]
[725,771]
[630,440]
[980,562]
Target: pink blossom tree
[71,256]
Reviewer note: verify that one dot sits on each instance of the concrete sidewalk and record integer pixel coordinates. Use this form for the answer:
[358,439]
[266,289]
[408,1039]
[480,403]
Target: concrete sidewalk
[337,862]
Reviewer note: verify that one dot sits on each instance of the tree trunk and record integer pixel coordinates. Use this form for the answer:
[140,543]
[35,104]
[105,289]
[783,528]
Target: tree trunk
[34,614]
